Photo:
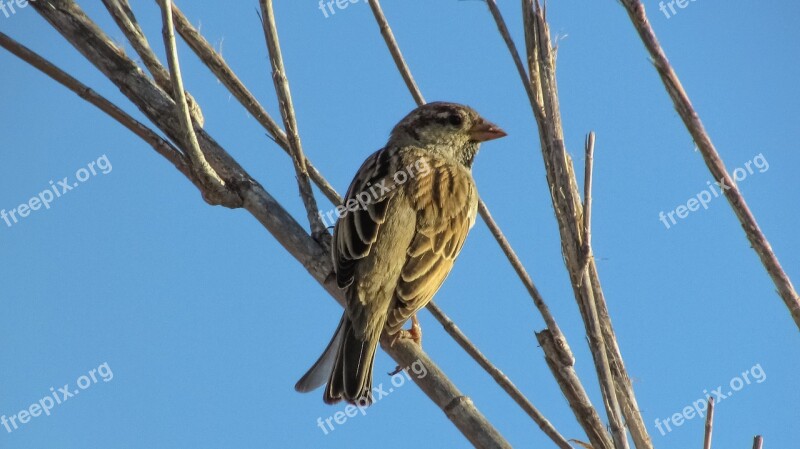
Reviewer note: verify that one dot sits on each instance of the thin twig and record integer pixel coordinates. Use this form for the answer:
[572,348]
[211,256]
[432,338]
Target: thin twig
[758,441]
[512,48]
[397,55]
[709,424]
[596,340]
[200,165]
[216,63]
[126,21]
[318,229]
[694,125]
[596,335]
[499,377]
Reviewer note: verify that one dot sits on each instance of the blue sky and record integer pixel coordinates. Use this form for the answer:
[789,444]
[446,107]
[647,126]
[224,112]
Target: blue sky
[206,323]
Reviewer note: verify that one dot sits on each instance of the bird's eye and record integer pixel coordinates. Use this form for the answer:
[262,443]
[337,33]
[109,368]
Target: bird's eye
[455,120]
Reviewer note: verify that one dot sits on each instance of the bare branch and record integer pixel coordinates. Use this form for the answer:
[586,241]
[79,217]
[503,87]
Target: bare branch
[758,441]
[318,229]
[560,360]
[548,126]
[200,165]
[596,341]
[716,166]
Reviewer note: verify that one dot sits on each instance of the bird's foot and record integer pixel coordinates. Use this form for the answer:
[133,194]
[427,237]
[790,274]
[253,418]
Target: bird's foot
[414,334]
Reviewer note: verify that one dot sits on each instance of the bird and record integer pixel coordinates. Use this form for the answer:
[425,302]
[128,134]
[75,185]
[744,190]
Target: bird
[403,222]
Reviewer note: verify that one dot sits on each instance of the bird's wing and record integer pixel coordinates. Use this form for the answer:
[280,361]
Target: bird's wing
[357,228]
[446,203]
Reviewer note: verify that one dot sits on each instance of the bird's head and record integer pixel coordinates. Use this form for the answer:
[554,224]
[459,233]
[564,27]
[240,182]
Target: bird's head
[449,129]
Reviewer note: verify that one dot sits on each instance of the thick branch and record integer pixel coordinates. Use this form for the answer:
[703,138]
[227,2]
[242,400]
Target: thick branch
[560,360]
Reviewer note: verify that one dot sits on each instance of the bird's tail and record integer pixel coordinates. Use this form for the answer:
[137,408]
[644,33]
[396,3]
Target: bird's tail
[320,372]
[347,366]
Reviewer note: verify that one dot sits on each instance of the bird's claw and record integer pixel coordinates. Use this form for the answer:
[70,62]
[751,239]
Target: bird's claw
[414,334]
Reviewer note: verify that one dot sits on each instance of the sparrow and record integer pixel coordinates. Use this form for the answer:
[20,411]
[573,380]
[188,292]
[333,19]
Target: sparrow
[405,218]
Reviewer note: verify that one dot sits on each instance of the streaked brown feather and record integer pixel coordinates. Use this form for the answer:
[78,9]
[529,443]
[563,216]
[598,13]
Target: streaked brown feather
[357,230]
[442,227]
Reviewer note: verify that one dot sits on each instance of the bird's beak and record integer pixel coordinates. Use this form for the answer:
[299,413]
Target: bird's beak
[484,130]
